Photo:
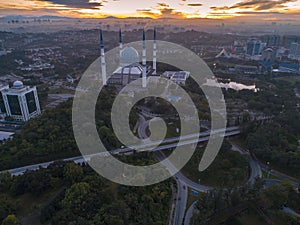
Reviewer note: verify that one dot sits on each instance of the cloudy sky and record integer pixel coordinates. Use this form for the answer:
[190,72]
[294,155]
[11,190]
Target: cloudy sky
[266,9]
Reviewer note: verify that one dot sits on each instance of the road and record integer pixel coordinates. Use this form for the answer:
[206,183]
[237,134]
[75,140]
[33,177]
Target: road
[169,143]
[182,195]
[182,182]
[290,211]
[255,171]
[189,213]
[292,180]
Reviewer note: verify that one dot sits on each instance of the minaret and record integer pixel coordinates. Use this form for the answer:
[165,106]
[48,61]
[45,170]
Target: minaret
[154,51]
[103,64]
[144,79]
[120,41]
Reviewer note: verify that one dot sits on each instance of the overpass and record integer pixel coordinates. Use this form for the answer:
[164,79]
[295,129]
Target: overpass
[162,145]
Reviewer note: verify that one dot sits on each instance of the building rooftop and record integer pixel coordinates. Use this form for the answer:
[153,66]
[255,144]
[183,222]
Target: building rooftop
[134,69]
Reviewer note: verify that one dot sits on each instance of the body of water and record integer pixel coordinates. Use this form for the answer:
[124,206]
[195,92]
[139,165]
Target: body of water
[232,85]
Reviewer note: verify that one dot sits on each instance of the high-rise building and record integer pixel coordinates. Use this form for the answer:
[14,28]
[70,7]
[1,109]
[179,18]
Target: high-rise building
[295,49]
[20,102]
[254,47]
[2,48]
[2,105]
[287,40]
[272,40]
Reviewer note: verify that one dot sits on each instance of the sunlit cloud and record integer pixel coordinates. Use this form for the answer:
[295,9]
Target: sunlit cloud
[195,4]
[164,5]
[256,5]
[162,10]
[176,9]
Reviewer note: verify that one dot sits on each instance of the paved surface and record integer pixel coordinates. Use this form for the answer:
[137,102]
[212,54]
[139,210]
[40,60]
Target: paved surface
[59,98]
[255,171]
[141,148]
[189,213]
[182,182]
[5,135]
[290,211]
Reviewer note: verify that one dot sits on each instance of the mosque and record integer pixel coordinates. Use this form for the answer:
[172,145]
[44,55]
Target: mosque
[129,68]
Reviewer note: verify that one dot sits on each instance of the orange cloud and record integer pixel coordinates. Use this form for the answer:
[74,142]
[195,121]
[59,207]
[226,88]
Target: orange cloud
[162,10]
[256,5]
[195,4]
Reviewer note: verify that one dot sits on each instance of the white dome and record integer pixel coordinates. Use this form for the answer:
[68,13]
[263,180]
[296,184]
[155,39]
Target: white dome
[18,84]
[128,56]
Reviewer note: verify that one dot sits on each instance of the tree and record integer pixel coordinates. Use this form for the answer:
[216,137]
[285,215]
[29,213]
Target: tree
[76,198]
[6,181]
[11,220]
[73,172]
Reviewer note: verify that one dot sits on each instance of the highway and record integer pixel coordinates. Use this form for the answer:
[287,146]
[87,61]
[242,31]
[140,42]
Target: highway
[168,143]
[290,211]
[189,213]
[183,183]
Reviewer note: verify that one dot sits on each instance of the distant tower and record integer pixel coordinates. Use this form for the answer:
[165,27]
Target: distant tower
[103,64]
[144,79]
[154,51]
[120,41]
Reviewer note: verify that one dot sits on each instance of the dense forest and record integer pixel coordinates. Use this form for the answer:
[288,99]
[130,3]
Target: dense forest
[233,206]
[229,168]
[50,136]
[80,196]
[276,142]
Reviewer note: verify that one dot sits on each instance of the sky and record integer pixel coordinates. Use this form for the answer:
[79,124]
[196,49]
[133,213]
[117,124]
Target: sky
[277,10]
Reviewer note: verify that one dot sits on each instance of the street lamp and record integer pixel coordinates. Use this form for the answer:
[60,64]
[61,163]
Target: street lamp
[269,170]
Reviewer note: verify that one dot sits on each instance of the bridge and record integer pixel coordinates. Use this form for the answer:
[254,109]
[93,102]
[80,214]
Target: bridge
[161,145]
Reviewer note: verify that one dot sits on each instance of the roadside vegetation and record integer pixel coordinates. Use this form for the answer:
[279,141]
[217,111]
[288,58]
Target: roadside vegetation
[228,169]
[67,193]
[247,205]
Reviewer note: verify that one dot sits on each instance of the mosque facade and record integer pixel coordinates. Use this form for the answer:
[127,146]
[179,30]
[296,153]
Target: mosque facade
[129,69]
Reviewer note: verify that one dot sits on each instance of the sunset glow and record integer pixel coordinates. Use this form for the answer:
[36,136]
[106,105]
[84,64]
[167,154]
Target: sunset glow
[267,9]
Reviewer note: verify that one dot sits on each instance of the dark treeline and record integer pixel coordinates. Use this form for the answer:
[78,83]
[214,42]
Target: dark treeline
[50,136]
[84,197]
[228,206]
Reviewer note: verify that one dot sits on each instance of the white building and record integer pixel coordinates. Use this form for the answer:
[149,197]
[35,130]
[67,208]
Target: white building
[2,105]
[294,51]
[129,69]
[20,102]
[179,77]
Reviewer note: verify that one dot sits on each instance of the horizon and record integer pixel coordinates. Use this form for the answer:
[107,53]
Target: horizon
[266,10]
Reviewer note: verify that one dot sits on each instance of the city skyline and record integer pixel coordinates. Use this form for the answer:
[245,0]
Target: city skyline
[267,10]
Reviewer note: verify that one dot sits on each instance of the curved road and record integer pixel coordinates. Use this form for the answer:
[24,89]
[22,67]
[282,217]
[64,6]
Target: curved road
[183,183]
